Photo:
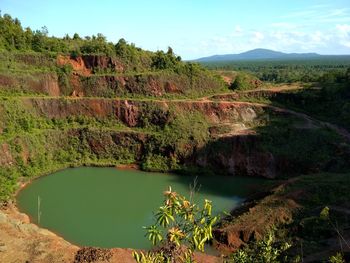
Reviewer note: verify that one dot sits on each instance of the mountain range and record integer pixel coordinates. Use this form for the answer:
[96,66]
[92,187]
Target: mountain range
[258,54]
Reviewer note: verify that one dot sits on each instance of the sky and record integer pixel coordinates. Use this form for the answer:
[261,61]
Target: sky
[197,28]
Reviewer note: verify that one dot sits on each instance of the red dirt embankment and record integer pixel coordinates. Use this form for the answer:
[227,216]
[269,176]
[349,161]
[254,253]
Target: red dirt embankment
[40,83]
[85,65]
[256,219]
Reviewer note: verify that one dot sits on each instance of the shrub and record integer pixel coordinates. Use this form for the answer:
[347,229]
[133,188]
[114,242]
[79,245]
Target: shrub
[244,81]
[181,227]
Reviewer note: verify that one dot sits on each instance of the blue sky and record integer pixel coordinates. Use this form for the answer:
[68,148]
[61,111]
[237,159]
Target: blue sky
[196,28]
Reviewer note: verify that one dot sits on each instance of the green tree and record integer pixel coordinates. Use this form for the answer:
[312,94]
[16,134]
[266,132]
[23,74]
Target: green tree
[181,227]
[76,36]
[347,75]
[167,60]
[39,39]
[244,81]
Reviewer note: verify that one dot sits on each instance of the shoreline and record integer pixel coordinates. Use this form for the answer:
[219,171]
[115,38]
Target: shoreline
[14,210]
[22,184]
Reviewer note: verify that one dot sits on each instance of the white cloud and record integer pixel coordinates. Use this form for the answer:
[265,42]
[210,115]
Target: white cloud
[257,37]
[237,32]
[238,29]
[343,32]
[334,39]
[343,29]
[318,38]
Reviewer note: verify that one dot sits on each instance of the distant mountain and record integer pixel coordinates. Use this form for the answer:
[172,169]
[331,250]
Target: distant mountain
[257,54]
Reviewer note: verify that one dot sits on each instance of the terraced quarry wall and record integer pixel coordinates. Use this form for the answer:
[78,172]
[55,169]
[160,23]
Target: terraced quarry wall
[39,135]
[54,114]
[98,76]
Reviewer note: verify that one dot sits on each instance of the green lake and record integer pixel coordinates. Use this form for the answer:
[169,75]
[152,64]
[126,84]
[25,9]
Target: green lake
[106,207]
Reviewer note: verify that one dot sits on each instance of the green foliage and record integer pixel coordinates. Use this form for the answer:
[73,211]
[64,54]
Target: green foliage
[156,163]
[12,34]
[148,257]
[306,149]
[331,68]
[319,220]
[338,258]
[45,151]
[244,81]
[147,73]
[178,133]
[267,250]
[318,102]
[181,227]
[162,60]
[63,73]
[185,132]
[97,45]
[8,182]
[93,140]
[324,215]
[133,58]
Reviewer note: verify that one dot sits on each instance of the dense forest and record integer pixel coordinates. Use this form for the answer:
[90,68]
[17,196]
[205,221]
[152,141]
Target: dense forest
[327,69]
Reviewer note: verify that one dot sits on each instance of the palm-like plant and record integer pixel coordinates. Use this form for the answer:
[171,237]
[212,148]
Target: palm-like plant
[181,227]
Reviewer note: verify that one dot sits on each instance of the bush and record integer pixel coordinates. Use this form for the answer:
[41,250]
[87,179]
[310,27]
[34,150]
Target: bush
[155,163]
[180,228]
[244,81]
[266,251]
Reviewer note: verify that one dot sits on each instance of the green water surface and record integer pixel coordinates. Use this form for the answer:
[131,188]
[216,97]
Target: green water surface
[106,207]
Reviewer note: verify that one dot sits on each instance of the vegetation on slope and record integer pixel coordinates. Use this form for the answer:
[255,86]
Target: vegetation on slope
[327,101]
[27,54]
[330,103]
[245,81]
[159,139]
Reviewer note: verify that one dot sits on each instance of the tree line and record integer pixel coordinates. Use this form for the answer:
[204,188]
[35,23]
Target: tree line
[13,37]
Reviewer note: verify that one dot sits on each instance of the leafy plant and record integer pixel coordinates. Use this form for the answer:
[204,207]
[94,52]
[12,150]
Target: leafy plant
[181,227]
[267,250]
[338,258]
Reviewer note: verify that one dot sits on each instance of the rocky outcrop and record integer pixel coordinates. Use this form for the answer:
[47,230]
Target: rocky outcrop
[233,149]
[143,84]
[232,145]
[85,65]
[109,145]
[254,219]
[238,155]
[21,241]
[39,83]
[77,64]
[130,111]
[98,76]
[6,158]
[103,62]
